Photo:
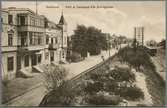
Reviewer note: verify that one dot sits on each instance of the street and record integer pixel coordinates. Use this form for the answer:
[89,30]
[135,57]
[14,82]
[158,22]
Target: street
[76,68]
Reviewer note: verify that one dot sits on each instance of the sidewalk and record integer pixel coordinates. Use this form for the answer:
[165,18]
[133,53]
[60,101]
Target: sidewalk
[19,86]
[76,68]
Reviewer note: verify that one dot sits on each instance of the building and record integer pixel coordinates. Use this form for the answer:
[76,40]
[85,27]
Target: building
[56,39]
[30,40]
[8,45]
[63,45]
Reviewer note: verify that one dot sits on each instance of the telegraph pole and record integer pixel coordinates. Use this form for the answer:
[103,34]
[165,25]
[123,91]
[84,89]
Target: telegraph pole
[36,6]
[142,36]
[134,38]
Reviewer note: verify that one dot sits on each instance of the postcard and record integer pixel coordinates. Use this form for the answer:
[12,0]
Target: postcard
[83,53]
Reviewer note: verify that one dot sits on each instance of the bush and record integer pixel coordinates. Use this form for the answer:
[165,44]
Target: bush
[111,86]
[53,76]
[61,96]
[92,88]
[122,74]
[136,58]
[101,99]
[76,57]
[61,62]
[100,75]
[97,76]
[131,93]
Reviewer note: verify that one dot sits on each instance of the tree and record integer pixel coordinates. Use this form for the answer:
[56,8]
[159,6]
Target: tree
[78,40]
[88,39]
[151,43]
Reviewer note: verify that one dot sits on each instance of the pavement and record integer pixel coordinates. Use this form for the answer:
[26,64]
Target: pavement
[76,68]
[19,86]
[34,96]
[31,98]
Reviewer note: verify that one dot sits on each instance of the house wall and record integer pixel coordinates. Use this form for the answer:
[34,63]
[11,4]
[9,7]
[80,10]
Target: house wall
[5,73]
[19,52]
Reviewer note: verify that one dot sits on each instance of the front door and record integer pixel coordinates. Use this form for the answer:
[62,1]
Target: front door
[34,59]
[18,62]
[51,56]
[39,58]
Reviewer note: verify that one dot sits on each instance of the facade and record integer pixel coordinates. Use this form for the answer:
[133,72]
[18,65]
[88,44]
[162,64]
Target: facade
[8,45]
[30,40]
[63,45]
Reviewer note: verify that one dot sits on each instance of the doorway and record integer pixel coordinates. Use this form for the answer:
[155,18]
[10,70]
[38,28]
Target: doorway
[34,59]
[51,56]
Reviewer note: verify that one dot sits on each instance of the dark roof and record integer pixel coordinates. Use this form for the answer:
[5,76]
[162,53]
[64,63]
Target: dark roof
[62,20]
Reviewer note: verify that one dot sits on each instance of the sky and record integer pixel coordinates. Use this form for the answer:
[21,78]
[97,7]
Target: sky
[118,18]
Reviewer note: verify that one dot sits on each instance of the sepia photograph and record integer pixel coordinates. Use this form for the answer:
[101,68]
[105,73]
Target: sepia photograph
[83,53]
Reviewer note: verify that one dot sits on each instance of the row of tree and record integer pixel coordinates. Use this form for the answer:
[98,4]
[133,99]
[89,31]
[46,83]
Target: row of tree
[89,39]
[153,43]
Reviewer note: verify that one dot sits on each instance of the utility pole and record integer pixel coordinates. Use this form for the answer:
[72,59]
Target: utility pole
[134,39]
[36,7]
[142,36]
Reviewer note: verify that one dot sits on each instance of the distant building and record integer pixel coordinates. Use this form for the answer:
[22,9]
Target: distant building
[29,40]
[63,38]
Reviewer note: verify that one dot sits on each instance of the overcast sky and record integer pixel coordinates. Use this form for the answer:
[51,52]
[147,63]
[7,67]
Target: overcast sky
[121,19]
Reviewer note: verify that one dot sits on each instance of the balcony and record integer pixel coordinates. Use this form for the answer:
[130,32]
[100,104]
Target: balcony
[30,28]
[8,48]
[30,48]
[53,46]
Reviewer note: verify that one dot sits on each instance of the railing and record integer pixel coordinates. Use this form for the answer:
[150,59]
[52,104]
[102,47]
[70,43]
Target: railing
[30,47]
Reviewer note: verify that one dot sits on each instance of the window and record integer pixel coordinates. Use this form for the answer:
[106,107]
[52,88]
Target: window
[10,64]
[51,40]
[55,40]
[32,21]
[35,22]
[10,19]
[1,20]
[47,40]
[63,54]
[1,23]
[26,61]
[46,55]
[51,56]
[10,39]
[65,40]
[22,20]
[31,38]
[39,40]
[23,40]
[35,40]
